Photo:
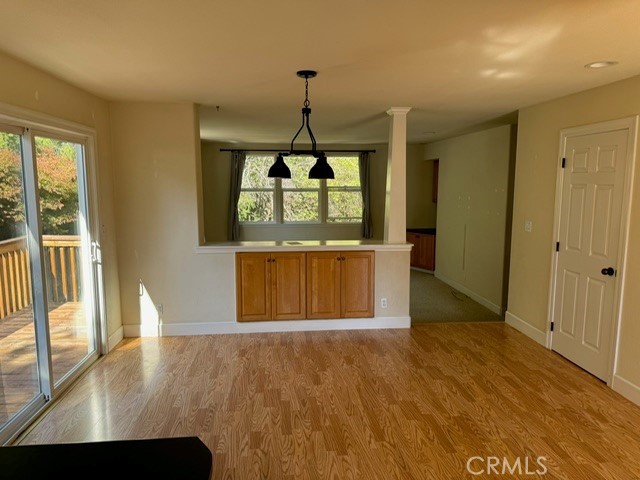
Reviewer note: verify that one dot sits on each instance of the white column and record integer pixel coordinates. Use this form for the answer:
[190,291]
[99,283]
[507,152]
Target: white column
[395,209]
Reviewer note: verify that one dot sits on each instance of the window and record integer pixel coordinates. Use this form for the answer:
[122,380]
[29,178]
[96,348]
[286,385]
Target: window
[300,199]
[300,194]
[344,197]
[257,196]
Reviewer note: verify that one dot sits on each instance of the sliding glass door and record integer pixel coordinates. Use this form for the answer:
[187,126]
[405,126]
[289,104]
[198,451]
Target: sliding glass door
[19,379]
[67,253]
[48,309]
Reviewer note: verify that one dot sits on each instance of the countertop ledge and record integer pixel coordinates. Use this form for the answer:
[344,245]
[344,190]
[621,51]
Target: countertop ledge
[301,246]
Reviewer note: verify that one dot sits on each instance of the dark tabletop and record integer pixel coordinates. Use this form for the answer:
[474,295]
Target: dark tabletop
[163,458]
[427,231]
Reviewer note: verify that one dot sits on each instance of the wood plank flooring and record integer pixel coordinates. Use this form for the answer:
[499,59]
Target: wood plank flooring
[18,364]
[385,404]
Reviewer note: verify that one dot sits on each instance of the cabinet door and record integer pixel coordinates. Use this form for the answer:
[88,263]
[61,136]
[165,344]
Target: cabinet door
[253,286]
[357,274]
[412,238]
[428,249]
[288,286]
[323,285]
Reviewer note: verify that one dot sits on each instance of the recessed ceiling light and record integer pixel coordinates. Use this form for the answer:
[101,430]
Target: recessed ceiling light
[601,64]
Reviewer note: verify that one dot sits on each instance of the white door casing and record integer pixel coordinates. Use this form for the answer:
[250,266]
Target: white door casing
[590,226]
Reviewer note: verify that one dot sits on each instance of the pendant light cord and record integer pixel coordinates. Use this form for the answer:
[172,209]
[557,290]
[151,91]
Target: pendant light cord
[305,120]
[306,93]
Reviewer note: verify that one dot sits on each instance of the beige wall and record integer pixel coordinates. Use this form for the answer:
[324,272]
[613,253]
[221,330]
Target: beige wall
[26,87]
[216,175]
[536,169]
[473,211]
[216,171]
[156,171]
[156,156]
[392,282]
[421,209]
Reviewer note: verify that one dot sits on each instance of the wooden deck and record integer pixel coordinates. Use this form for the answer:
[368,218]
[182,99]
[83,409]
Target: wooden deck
[18,366]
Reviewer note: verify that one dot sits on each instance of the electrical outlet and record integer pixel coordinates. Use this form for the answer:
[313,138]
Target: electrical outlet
[528,226]
[383,302]
[159,308]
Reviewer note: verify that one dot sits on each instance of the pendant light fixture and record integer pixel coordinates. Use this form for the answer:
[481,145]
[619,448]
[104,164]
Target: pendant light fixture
[321,169]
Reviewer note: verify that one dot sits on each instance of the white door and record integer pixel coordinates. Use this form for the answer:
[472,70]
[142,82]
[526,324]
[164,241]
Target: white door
[589,234]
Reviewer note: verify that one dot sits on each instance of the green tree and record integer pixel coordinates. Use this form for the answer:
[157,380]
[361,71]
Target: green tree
[58,186]
[57,181]
[11,202]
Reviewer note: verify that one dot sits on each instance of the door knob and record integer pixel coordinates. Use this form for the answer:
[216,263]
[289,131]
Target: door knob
[608,271]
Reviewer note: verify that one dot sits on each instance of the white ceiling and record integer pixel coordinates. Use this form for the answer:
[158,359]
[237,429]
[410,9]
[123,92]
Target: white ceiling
[457,63]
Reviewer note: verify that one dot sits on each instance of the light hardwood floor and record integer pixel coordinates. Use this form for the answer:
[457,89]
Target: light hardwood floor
[385,404]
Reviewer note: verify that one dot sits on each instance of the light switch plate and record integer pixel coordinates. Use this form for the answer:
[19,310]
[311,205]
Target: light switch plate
[528,226]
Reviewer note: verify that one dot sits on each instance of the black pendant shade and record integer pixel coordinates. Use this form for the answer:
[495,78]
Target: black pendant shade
[321,169]
[279,169]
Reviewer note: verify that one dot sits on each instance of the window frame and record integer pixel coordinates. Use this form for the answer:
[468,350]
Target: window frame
[274,196]
[323,201]
[28,124]
[344,188]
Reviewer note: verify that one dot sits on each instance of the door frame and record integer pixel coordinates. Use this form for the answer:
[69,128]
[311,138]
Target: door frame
[631,125]
[54,127]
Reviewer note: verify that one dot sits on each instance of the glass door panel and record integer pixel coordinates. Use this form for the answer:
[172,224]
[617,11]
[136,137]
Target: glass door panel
[19,379]
[67,257]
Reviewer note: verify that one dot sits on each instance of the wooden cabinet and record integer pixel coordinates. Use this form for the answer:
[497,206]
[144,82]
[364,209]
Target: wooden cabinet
[253,286]
[413,239]
[288,287]
[427,251]
[299,285]
[340,284]
[356,284]
[423,253]
[323,285]
[270,286]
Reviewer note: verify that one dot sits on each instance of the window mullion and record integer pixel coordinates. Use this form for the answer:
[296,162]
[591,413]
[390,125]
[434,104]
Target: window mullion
[278,202]
[324,201]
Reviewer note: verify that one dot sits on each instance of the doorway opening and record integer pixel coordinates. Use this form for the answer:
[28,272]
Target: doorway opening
[461,195]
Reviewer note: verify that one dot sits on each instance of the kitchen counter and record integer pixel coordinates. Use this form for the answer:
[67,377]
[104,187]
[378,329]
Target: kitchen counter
[300,246]
[423,231]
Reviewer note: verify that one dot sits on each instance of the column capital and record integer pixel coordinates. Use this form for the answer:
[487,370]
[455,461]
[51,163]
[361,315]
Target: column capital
[398,110]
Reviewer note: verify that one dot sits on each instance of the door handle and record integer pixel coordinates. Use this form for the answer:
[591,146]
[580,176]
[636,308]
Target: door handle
[608,271]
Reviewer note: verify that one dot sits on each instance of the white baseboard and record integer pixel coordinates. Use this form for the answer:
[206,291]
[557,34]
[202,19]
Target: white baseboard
[626,388]
[115,338]
[214,328]
[132,331]
[472,295]
[526,328]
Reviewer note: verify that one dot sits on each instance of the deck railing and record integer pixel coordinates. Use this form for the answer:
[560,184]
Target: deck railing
[62,270]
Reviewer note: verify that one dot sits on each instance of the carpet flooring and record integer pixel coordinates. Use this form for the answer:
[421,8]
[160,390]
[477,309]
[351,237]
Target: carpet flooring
[434,301]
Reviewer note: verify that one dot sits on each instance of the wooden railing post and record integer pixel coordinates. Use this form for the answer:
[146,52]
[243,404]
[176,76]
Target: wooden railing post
[15,272]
